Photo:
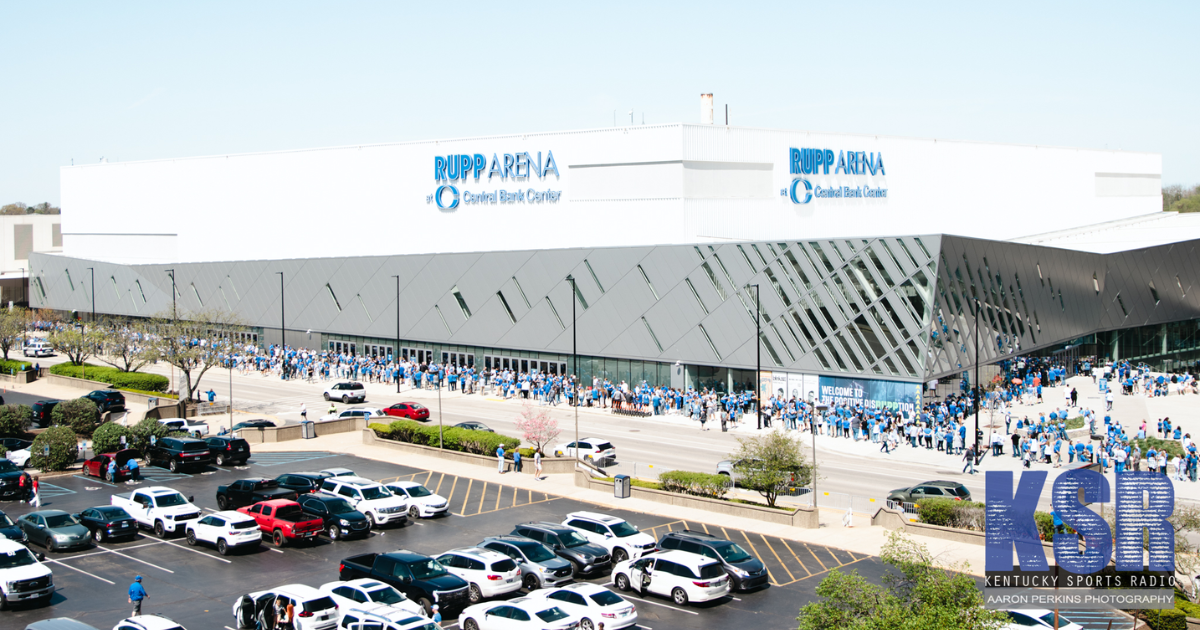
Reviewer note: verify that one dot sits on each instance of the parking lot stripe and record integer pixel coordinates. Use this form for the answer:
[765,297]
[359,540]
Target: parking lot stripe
[439,486]
[91,480]
[649,601]
[754,550]
[81,571]
[482,495]
[705,527]
[167,542]
[500,493]
[777,558]
[112,551]
[789,548]
[814,555]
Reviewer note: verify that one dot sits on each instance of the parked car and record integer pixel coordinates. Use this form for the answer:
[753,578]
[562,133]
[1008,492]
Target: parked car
[745,571]
[371,498]
[337,472]
[192,428]
[17,451]
[1038,619]
[108,522]
[98,465]
[365,617]
[42,410]
[683,577]
[253,424]
[55,530]
[314,610]
[14,444]
[147,622]
[285,521]
[595,450]
[592,605]
[37,348]
[347,392]
[340,518]
[540,568]
[179,453]
[24,577]
[59,623]
[251,490]
[586,558]
[107,400]
[301,482]
[516,614]
[930,490]
[474,426]
[489,573]
[366,592]
[9,530]
[728,468]
[10,481]
[421,578]
[410,410]
[226,530]
[162,509]
[622,540]
[228,450]
[358,412]
[421,502]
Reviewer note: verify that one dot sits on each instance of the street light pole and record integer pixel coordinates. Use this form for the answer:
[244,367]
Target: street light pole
[977,385]
[396,352]
[282,318]
[821,407]
[575,363]
[757,357]
[174,320]
[92,272]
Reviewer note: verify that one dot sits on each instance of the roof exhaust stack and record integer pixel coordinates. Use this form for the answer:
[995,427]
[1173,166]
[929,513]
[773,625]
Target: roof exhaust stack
[706,109]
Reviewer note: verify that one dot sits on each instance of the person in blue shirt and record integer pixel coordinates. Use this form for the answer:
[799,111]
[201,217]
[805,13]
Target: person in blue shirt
[136,594]
[132,465]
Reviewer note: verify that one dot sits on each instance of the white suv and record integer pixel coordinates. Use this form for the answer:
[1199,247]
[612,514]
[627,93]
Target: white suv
[685,577]
[371,498]
[490,573]
[622,540]
[365,592]
[593,449]
[383,618]
[147,622]
[314,610]
[517,614]
[592,604]
[421,502]
[346,392]
[227,530]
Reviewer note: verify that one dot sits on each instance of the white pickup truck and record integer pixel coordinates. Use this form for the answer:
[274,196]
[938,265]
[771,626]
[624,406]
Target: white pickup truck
[22,576]
[192,428]
[162,509]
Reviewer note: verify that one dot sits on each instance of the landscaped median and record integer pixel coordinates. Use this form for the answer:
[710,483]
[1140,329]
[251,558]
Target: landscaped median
[460,445]
[962,521]
[152,384]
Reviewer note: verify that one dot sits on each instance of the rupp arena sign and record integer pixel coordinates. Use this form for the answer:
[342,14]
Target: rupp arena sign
[1082,577]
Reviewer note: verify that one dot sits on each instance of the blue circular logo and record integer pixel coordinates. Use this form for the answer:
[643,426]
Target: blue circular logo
[807,191]
[437,196]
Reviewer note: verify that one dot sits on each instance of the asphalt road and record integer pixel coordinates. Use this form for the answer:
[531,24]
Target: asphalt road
[197,586]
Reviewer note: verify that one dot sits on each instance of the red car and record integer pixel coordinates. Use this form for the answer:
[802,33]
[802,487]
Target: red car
[410,410]
[98,465]
[284,521]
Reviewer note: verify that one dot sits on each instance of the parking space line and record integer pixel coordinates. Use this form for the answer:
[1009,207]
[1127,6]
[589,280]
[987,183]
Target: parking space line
[705,527]
[440,480]
[786,546]
[428,476]
[196,551]
[546,500]
[831,555]
[482,496]
[754,550]
[649,601]
[515,491]
[814,555]
[777,558]
[82,571]
[827,570]
[135,559]
[93,480]
[500,493]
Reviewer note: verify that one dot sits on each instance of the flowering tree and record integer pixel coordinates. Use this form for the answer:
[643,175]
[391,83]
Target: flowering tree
[539,428]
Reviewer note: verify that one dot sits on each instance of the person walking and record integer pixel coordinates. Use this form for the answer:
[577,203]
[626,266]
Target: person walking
[500,459]
[137,593]
[35,500]
[437,614]
[537,464]
[303,412]
[517,460]
[969,456]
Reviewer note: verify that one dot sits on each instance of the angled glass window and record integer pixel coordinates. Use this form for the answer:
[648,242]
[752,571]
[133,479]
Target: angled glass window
[462,304]
[724,271]
[196,293]
[593,274]
[860,284]
[648,283]
[653,337]
[746,257]
[908,252]
[864,271]
[229,281]
[792,331]
[821,358]
[711,346]
[579,295]
[808,257]
[507,309]
[698,252]
[521,291]
[142,294]
[816,247]
[871,341]
[924,249]
[799,272]
[887,332]
[712,277]
[1179,283]
[837,356]
[850,351]
[696,295]
[555,312]
[803,328]
[771,349]
[1153,292]
[845,291]
[117,291]
[891,254]
[371,319]
[758,251]
[774,254]
[787,302]
[443,318]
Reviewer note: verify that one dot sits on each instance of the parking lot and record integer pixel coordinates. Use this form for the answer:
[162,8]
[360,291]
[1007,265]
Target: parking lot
[196,586]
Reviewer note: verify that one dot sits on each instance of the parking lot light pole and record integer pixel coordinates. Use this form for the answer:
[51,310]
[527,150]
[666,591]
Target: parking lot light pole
[820,407]
[396,352]
[174,319]
[977,384]
[757,357]
[575,363]
[282,319]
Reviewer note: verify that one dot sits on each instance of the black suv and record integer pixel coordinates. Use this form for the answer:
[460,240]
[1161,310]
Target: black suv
[107,400]
[178,453]
[302,482]
[10,481]
[42,410]
[227,449]
[341,519]
[744,569]
[587,558]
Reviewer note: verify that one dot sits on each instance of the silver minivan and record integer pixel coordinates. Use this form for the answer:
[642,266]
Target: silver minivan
[540,566]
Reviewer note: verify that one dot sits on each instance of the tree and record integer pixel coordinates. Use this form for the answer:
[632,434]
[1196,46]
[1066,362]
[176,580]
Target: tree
[81,414]
[538,426]
[918,595]
[194,342]
[15,419]
[14,208]
[144,430]
[64,449]
[79,343]
[12,328]
[130,347]
[770,462]
[107,437]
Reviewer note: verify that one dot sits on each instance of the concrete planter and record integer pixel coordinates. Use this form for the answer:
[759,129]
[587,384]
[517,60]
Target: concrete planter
[27,376]
[802,517]
[895,519]
[296,432]
[550,465]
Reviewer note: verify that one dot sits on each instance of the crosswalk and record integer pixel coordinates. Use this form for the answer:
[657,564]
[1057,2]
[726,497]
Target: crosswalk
[49,490]
[1098,619]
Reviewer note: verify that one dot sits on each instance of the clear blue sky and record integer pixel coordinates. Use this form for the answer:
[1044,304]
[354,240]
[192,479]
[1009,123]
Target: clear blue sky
[132,81]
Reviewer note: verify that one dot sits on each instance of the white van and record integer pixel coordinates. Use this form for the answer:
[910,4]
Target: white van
[37,348]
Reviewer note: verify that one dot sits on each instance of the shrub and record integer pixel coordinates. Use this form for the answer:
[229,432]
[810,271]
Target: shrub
[695,483]
[453,438]
[1075,423]
[142,431]
[118,379]
[10,366]
[1172,447]
[81,414]
[950,513]
[936,511]
[15,419]
[1166,619]
[107,437]
[64,449]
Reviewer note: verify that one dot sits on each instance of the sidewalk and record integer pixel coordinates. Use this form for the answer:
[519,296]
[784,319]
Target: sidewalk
[862,539]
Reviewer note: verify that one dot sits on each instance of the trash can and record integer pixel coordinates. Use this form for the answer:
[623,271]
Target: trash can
[622,487]
[308,429]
